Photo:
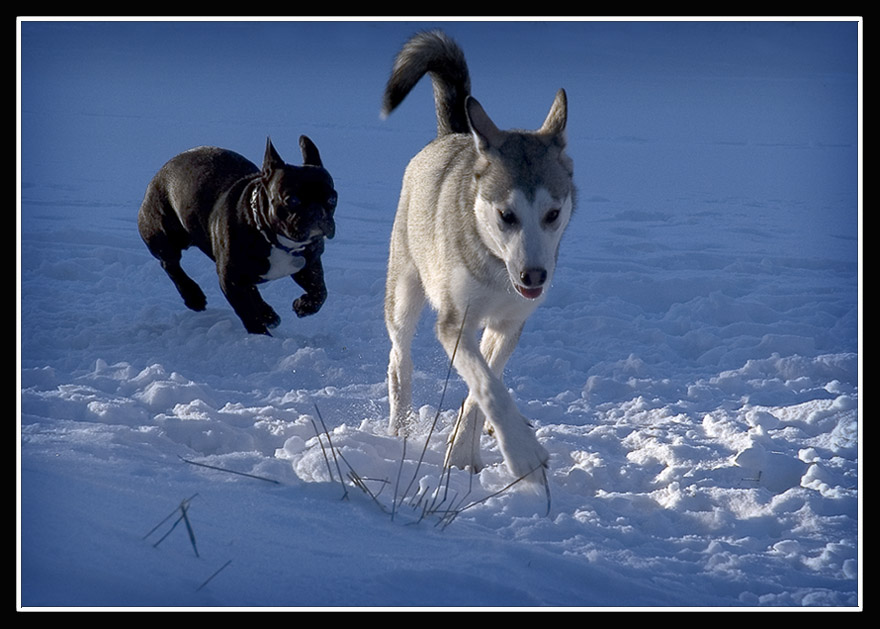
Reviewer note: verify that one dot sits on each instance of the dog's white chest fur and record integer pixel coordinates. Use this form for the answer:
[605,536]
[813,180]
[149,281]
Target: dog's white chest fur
[285,260]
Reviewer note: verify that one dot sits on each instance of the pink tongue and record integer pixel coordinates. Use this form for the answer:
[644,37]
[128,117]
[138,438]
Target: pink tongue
[530,293]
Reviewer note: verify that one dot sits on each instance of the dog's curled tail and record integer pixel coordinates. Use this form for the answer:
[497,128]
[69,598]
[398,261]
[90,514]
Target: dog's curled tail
[434,53]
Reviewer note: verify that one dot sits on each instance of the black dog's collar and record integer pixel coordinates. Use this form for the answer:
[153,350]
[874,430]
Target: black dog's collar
[255,213]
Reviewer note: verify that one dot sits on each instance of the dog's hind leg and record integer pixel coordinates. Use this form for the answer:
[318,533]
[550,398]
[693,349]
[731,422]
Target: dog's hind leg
[191,292]
[404,302]
[167,244]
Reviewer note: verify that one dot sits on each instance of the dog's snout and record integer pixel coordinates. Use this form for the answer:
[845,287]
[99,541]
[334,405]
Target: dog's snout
[328,225]
[533,277]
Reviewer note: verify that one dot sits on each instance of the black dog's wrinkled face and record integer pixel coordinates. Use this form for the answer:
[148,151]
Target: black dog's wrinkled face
[302,202]
[302,199]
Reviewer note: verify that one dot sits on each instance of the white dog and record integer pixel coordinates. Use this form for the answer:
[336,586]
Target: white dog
[476,234]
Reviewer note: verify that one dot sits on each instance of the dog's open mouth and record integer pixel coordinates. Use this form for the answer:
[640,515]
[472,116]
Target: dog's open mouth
[529,293]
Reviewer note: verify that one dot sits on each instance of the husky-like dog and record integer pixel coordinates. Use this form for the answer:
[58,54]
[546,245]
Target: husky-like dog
[476,234]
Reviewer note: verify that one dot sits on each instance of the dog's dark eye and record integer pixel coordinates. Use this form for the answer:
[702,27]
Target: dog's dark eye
[508,217]
[331,201]
[552,216]
[288,203]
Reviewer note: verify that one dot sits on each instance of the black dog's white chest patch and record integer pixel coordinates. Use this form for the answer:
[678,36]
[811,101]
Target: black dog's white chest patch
[285,259]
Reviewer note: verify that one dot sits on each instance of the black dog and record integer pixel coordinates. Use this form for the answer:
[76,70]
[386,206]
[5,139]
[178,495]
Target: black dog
[257,225]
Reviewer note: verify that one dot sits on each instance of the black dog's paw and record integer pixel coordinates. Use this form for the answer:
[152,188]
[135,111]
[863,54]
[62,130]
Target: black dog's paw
[257,328]
[305,306]
[261,320]
[254,324]
[269,317]
[194,298]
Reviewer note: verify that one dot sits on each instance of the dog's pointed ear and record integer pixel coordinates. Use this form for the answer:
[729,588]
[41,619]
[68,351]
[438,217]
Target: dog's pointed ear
[554,124]
[311,156]
[271,160]
[485,133]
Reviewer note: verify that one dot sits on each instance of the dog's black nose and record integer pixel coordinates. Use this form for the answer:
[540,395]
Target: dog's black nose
[533,277]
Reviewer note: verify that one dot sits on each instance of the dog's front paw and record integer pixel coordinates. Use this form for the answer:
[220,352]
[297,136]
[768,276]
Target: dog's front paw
[463,449]
[464,453]
[306,305]
[193,297]
[523,455]
[270,318]
[256,327]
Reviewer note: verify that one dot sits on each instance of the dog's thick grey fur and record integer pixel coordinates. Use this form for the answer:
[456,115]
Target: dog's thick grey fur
[477,233]
[256,224]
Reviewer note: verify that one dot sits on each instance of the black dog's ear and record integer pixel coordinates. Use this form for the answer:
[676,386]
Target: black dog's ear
[271,160]
[311,156]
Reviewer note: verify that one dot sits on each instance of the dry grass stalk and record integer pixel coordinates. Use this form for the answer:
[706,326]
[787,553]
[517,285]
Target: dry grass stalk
[228,471]
[182,509]
[333,451]
[216,572]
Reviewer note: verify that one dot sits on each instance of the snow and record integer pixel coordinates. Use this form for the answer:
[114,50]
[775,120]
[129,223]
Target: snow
[694,372]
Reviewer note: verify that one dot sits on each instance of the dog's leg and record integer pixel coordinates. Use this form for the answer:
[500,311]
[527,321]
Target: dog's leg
[522,452]
[404,302]
[496,347]
[256,315]
[311,279]
[191,292]
[265,312]
[166,240]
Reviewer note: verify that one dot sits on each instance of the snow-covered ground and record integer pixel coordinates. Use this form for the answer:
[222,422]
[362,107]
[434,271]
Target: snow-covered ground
[694,372]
